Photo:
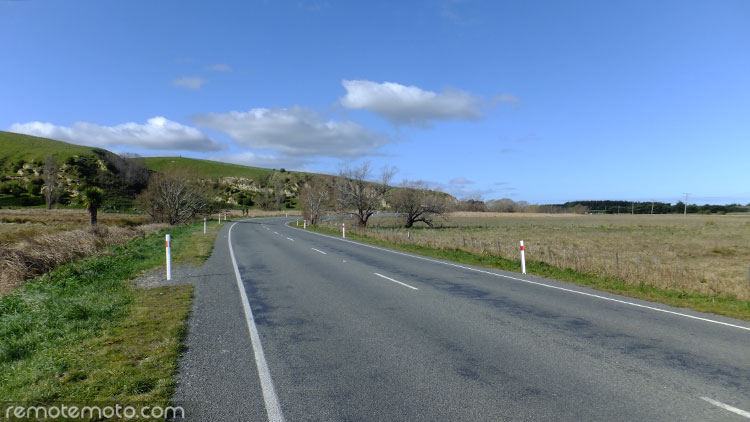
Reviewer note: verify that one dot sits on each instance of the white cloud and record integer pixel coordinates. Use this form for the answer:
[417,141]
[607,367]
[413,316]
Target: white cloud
[190,82]
[295,131]
[220,67]
[158,133]
[460,181]
[409,104]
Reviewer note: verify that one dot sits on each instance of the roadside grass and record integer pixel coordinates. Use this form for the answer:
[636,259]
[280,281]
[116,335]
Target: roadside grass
[196,248]
[721,305]
[83,334]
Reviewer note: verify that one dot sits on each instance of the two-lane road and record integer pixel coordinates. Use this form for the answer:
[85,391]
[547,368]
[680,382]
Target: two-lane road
[354,332]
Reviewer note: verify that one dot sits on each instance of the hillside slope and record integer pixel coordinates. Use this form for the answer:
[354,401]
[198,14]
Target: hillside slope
[15,146]
[206,168]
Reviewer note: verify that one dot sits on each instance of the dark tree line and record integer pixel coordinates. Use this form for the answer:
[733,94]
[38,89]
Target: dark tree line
[626,207]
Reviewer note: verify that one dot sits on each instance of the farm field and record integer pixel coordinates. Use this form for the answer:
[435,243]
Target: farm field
[704,254]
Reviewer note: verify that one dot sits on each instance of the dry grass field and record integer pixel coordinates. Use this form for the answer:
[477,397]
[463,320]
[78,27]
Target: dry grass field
[705,254]
[24,223]
[34,241]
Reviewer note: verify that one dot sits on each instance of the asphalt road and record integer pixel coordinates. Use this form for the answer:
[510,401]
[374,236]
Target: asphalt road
[350,332]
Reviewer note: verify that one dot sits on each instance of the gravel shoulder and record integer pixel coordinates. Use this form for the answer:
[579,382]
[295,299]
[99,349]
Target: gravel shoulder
[217,378]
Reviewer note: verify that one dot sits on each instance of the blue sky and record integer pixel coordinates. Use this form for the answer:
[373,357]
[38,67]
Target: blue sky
[542,101]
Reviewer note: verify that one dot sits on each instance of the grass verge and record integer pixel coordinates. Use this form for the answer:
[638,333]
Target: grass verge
[83,334]
[727,306]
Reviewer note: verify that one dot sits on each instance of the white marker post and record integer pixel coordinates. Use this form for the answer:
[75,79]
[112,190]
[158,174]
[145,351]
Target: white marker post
[343,230]
[305,225]
[225,217]
[204,225]
[169,257]
[523,259]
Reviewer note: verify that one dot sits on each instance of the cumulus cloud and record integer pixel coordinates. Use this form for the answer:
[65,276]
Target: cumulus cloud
[220,67]
[460,181]
[157,133]
[409,104]
[189,82]
[294,131]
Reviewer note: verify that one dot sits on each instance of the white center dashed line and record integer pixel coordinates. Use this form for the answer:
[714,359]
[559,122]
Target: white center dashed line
[290,239]
[396,281]
[318,250]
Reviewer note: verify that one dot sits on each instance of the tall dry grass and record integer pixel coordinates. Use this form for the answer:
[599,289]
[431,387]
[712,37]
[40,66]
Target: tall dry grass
[705,254]
[19,224]
[37,255]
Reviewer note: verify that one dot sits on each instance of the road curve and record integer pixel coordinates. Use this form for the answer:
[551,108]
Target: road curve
[352,332]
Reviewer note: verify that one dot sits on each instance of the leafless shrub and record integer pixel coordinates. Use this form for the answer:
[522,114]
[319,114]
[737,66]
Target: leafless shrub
[51,188]
[174,197]
[356,192]
[417,203]
[314,196]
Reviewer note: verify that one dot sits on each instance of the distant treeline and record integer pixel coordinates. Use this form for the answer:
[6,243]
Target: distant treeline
[627,207]
[597,207]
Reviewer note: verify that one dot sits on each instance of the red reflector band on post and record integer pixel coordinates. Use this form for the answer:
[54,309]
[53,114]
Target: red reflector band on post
[521,247]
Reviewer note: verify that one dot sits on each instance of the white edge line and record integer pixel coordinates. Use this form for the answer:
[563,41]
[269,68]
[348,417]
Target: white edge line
[396,281]
[275,232]
[290,239]
[624,302]
[318,250]
[727,407]
[273,409]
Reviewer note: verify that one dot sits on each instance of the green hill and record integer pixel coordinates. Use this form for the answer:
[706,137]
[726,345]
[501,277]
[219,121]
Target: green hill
[22,162]
[16,147]
[206,168]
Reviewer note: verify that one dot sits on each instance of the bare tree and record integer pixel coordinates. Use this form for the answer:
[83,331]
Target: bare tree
[356,192]
[417,203]
[174,197]
[51,188]
[277,187]
[314,195]
[132,169]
